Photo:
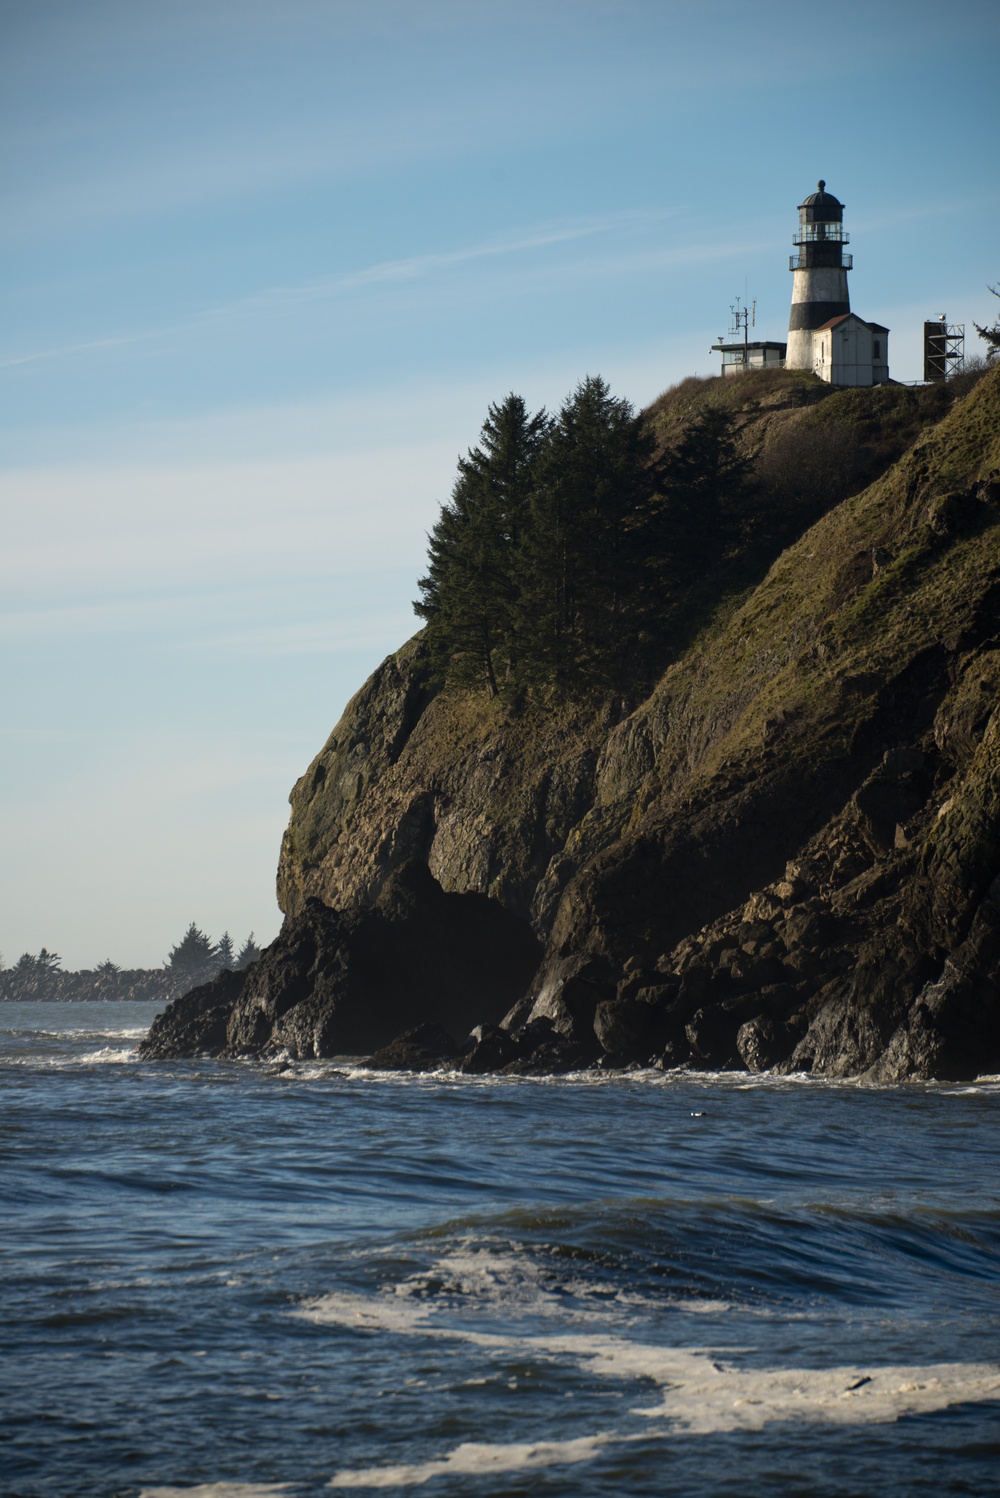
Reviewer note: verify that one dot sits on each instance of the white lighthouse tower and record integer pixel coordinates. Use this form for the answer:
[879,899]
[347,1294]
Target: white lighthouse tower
[824,335]
[819,280]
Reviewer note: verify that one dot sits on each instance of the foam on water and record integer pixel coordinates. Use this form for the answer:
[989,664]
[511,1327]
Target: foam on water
[476,1459]
[702,1391]
[220,1490]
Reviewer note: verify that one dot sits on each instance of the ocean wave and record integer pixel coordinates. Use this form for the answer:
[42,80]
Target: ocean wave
[700,1390]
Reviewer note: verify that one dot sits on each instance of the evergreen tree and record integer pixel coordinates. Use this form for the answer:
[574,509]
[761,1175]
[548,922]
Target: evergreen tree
[582,562]
[249,952]
[194,957]
[469,596]
[224,954]
[48,962]
[991,335]
[697,514]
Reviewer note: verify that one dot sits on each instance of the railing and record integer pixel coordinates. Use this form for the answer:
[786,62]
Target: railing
[821,234]
[799,262]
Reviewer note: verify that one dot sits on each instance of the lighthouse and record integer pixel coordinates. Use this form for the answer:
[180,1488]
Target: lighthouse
[824,335]
[819,279]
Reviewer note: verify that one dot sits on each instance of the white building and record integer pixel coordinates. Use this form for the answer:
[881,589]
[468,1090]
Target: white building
[849,351]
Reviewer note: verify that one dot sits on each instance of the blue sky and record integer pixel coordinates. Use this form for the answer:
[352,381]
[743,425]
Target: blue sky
[264,266]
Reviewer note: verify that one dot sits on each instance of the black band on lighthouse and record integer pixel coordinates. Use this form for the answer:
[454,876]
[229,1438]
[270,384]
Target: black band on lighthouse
[806,316]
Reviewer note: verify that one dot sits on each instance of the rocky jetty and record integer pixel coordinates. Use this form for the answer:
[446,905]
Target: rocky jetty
[115,985]
[787,856]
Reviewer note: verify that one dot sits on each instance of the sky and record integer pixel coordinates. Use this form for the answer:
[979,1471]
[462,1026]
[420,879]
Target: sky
[264,267]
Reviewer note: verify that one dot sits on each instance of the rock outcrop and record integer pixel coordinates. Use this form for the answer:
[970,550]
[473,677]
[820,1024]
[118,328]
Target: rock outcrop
[347,983]
[786,856]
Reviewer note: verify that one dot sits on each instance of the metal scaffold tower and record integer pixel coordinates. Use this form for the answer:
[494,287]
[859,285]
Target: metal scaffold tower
[944,349]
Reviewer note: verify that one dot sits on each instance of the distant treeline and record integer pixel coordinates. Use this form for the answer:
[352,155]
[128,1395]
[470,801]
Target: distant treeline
[194,960]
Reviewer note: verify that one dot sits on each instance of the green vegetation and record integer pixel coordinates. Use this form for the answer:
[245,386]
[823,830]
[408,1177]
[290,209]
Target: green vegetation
[557,558]
[196,958]
[471,594]
[45,962]
[991,335]
[583,553]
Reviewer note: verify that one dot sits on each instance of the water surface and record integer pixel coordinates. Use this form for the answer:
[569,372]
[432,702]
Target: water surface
[243,1279]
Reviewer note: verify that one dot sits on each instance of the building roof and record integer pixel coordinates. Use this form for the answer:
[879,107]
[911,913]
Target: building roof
[822,206]
[875,327]
[739,344]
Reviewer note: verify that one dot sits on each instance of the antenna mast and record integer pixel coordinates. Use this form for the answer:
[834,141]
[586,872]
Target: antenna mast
[743,318]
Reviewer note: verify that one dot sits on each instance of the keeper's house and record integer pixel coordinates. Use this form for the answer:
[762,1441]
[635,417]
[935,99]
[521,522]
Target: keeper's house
[846,350]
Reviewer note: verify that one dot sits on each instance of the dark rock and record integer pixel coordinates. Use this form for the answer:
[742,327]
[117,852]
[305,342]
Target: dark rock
[952,1030]
[424,1048]
[764,1043]
[570,996]
[624,1026]
[493,1049]
[195,1024]
[346,983]
[711,1034]
[552,1059]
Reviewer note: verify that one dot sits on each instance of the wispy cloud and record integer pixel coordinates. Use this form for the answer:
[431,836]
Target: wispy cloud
[417,267]
[275,300]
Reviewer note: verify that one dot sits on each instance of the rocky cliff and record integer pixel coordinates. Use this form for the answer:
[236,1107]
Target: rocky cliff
[787,855]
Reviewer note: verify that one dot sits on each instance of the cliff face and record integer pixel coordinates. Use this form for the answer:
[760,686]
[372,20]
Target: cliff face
[785,856]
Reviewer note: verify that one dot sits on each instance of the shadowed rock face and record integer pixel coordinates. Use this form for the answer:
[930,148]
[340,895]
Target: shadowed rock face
[785,858]
[347,983]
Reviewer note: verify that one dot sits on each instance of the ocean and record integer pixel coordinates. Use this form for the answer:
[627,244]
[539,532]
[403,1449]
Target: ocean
[232,1280]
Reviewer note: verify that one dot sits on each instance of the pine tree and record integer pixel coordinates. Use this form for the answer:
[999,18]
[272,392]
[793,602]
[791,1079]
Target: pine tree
[249,952]
[583,567]
[224,954]
[470,593]
[991,335]
[698,512]
[194,957]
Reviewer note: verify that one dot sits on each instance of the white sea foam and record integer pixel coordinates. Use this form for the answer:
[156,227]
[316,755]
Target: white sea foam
[700,1390]
[476,1459]
[114,1055]
[720,1397]
[106,1056]
[384,1313]
[703,1393]
[220,1490]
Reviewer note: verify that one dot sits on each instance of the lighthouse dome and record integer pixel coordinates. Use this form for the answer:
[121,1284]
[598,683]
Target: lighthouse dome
[821,207]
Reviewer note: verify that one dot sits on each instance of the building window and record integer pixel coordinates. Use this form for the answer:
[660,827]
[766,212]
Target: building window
[877,349]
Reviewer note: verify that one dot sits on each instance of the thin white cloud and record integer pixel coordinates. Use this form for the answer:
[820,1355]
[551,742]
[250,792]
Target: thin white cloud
[415,268]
